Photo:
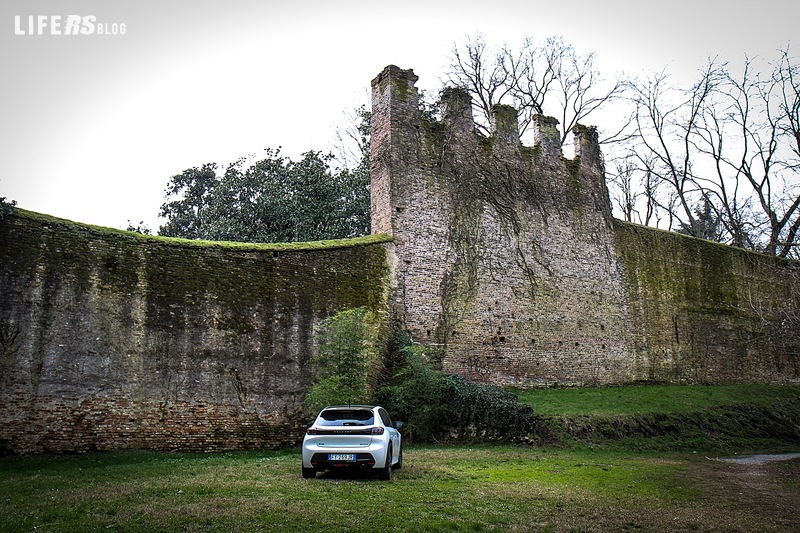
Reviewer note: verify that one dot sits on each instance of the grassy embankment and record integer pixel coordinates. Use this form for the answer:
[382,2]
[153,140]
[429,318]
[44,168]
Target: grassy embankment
[606,486]
[730,417]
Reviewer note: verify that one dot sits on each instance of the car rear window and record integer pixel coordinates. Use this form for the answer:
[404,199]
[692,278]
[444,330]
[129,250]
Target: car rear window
[346,417]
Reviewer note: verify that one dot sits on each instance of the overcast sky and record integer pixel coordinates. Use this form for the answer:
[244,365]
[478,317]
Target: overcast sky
[93,126]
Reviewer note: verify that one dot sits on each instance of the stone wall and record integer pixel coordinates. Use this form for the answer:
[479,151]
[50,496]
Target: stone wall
[504,259]
[702,312]
[111,340]
[511,266]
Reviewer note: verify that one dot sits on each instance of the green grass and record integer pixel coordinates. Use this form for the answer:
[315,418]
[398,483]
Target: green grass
[638,483]
[652,399]
[670,418]
[439,489]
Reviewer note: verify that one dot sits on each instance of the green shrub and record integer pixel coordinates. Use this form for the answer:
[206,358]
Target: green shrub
[442,407]
[346,362]
[419,398]
[6,207]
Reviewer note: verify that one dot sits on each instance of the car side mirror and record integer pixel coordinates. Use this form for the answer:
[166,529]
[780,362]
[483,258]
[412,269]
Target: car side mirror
[398,425]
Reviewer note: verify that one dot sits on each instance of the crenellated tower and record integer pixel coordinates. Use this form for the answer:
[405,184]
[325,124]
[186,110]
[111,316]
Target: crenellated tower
[504,252]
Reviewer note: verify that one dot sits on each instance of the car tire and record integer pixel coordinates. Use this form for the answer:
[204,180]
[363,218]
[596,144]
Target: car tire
[399,464]
[309,473]
[385,473]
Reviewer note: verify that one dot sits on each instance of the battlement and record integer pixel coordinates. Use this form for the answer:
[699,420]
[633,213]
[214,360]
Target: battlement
[484,226]
[401,137]
[395,94]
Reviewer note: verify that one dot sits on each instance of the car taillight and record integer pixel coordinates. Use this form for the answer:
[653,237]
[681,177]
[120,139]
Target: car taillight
[377,431]
[311,431]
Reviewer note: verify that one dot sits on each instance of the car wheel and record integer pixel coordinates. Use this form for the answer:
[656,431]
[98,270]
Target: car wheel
[309,473]
[399,464]
[385,473]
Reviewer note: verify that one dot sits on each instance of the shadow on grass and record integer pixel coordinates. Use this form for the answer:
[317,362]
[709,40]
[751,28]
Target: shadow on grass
[346,474]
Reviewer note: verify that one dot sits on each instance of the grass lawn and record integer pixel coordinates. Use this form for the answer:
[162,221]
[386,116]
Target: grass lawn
[440,488]
[667,399]
[580,487]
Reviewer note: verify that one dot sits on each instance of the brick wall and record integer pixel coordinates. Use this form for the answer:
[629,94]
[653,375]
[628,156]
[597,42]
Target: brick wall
[701,312]
[510,263]
[112,340]
[503,258]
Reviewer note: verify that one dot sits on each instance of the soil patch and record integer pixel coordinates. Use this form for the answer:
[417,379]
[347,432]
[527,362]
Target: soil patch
[766,485]
[760,459]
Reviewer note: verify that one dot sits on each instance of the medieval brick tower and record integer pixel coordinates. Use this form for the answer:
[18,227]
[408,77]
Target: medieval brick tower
[505,253]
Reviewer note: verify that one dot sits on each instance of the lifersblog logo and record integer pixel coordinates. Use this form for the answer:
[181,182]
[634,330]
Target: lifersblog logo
[65,25]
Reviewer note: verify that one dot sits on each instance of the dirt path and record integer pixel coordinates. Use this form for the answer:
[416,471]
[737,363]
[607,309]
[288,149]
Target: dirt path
[767,486]
[760,459]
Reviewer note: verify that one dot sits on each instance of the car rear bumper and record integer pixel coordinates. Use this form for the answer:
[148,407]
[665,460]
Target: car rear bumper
[319,461]
[316,457]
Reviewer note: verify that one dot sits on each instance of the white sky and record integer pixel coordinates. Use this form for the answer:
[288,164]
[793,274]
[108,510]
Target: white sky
[92,127]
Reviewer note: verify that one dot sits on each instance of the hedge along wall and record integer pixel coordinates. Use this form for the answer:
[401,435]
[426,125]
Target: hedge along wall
[703,312]
[110,339]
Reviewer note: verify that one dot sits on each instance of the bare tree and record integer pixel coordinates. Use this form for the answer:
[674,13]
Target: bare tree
[719,159]
[750,136]
[351,141]
[634,195]
[726,153]
[786,77]
[627,194]
[539,78]
[666,122]
[485,74]
[578,87]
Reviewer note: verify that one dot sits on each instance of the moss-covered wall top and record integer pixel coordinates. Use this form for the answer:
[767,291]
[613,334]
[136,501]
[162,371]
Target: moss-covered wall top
[113,339]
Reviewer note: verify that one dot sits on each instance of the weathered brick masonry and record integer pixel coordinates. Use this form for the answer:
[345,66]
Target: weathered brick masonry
[509,262]
[112,340]
[504,258]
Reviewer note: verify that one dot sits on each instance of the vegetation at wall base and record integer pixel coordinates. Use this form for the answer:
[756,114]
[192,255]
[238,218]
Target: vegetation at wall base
[434,406]
[440,407]
[347,360]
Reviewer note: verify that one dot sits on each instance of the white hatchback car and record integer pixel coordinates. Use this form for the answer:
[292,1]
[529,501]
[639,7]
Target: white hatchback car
[353,437]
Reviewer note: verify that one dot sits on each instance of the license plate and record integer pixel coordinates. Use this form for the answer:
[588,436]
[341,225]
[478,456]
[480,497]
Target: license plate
[341,457]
